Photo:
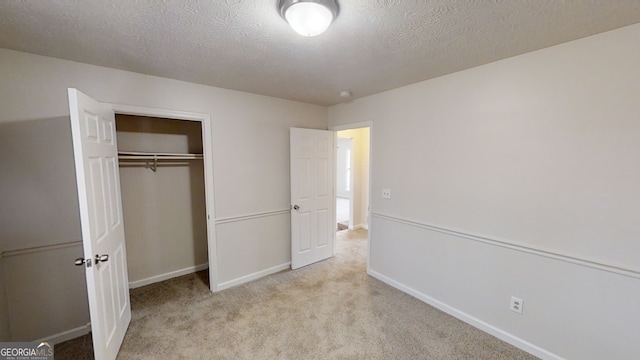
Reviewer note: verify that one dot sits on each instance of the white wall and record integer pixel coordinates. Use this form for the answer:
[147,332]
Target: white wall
[45,294]
[250,146]
[520,178]
[5,332]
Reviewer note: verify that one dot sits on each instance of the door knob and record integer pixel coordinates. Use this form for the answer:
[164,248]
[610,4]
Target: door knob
[296,207]
[82,261]
[101,258]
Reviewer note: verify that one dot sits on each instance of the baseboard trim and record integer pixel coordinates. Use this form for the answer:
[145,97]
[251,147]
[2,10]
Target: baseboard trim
[475,322]
[66,335]
[254,276]
[548,253]
[167,276]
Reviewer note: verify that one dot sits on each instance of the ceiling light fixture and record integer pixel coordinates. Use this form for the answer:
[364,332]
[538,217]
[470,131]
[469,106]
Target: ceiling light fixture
[309,17]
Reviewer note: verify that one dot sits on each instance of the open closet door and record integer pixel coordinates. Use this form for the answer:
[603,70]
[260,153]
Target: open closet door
[312,196]
[96,161]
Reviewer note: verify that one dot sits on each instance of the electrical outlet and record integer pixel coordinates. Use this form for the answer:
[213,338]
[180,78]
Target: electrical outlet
[516,304]
[386,193]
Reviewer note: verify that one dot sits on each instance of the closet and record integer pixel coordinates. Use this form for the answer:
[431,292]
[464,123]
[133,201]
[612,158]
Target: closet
[163,197]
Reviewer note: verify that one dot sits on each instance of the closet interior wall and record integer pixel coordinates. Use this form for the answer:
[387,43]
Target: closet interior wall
[164,210]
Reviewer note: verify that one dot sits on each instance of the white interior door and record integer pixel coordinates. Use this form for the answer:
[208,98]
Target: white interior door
[96,160]
[312,196]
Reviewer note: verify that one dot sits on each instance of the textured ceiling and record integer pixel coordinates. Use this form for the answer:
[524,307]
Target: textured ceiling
[374,45]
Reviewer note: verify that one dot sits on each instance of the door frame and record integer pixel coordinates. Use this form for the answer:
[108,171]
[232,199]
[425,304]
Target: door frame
[350,126]
[207,159]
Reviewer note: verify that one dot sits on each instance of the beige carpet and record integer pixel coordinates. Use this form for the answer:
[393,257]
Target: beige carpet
[328,310]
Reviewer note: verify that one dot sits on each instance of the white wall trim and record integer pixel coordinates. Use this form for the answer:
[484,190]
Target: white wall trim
[252,216]
[165,113]
[351,126]
[35,249]
[167,276]
[66,335]
[254,276]
[548,253]
[475,322]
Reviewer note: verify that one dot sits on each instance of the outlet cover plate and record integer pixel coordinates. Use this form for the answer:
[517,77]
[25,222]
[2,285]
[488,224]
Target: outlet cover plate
[386,193]
[516,304]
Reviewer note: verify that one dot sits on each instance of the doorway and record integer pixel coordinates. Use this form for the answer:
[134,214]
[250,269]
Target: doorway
[163,197]
[93,131]
[344,182]
[201,122]
[352,178]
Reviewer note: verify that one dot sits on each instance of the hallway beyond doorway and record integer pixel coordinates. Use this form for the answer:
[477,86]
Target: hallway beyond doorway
[342,213]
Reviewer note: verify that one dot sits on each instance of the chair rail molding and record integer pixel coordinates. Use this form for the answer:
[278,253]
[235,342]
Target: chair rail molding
[548,253]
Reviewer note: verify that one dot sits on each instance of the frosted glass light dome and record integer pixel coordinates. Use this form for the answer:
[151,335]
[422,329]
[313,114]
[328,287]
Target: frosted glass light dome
[309,18]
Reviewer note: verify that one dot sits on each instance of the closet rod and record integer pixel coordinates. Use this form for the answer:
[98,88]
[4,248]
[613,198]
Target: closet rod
[152,158]
[170,157]
[151,154]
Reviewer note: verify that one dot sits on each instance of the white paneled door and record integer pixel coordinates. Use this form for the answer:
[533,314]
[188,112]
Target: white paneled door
[312,196]
[98,181]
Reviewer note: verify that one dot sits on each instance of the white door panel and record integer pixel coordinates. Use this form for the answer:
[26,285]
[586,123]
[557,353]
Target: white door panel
[98,182]
[312,195]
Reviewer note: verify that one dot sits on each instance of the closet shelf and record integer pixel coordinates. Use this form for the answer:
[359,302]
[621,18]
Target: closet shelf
[134,155]
[152,158]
